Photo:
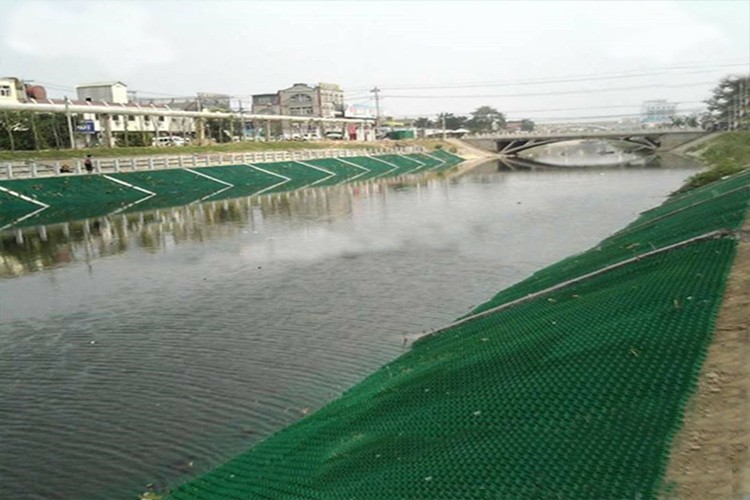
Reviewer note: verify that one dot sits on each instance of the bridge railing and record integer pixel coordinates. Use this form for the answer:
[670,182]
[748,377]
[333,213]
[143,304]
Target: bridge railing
[589,133]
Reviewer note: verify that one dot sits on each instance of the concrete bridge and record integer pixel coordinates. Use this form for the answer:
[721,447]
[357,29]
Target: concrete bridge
[650,140]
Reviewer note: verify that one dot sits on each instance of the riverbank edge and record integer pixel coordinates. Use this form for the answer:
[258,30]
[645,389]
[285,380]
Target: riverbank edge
[710,454]
[718,164]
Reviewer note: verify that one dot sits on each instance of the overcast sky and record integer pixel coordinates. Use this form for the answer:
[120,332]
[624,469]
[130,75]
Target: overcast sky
[176,48]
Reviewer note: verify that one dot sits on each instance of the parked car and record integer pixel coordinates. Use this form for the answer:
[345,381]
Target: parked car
[170,140]
[335,136]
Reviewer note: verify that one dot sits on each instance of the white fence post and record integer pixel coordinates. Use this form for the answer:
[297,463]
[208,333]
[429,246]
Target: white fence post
[117,165]
[150,163]
[33,169]
[10,170]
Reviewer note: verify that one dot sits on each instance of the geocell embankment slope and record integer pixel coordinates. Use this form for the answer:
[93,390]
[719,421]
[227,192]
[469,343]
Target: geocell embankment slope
[570,384]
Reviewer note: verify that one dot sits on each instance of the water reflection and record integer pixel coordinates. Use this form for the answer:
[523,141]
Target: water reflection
[28,250]
[589,153]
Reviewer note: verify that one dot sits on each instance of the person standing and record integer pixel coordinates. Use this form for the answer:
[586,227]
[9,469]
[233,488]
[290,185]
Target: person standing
[88,164]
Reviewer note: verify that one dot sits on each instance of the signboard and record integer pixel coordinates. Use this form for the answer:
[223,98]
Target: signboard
[86,127]
[358,111]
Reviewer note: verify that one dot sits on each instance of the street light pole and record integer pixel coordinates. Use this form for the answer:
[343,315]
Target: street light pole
[70,124]
[376,91]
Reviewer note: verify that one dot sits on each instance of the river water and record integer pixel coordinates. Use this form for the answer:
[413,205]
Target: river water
[149,348]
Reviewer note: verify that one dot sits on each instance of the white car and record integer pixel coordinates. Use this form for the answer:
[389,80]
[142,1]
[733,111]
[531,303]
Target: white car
[171,140]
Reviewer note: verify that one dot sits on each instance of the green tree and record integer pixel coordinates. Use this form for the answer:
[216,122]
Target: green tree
[728,104]
[486,119]
[452,122]
[527,125]
[423,122]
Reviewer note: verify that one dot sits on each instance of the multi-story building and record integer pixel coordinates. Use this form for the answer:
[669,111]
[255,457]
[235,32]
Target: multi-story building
[658,111]
[326,100]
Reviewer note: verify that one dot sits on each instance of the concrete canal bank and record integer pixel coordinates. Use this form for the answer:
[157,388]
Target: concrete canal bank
[596,377]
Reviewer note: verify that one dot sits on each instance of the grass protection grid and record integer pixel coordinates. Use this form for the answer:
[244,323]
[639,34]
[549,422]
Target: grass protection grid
[575,393]
[723,206]
[81,196]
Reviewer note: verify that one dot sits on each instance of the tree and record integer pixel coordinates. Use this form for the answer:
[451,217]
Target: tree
[452,122]
[527,125]
[486,119]
[423,122]
[728,104]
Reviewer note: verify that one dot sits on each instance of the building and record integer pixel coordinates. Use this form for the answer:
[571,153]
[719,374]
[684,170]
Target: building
[265,104]
[12,89]
[109,92]
[326,100]
[657,112]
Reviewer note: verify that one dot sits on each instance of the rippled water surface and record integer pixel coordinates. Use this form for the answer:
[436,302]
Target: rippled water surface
[148,348]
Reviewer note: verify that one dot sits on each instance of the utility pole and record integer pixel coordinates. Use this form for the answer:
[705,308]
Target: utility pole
[70,124]
[442,118]
[376,91]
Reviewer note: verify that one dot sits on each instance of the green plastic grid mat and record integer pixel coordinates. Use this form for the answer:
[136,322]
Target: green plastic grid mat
[449,158]
[376,167]
[691,217]
[572,395]
[344,172]
[428,161]
[245,180]
[69,197]
[697,195]
[73,189]
[405,165]
[13,208]
[81,196]
[300,175]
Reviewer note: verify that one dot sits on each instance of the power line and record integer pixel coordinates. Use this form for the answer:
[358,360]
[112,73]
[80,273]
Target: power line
[564,79]
[577,108]
[547,82]
[549,93]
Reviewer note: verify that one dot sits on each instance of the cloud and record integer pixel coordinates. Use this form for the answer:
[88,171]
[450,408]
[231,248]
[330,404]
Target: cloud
[118,36]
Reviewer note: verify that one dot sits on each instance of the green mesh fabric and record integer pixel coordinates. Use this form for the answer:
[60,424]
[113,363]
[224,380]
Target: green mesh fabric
[404,164]
[300,175]
[449,158]
[692,216]
[12,208]
[428,161]
[74,189]
[344,172]
[245,179]
[377,168]
[697,195]
[173,187]
[81,196]
[576,394]
[71,197]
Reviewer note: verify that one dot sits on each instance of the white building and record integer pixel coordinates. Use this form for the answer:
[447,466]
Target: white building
[111,92]
[657,111]
[11,89]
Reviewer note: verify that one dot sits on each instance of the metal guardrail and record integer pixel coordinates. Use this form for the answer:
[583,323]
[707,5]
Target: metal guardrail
[39,168]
